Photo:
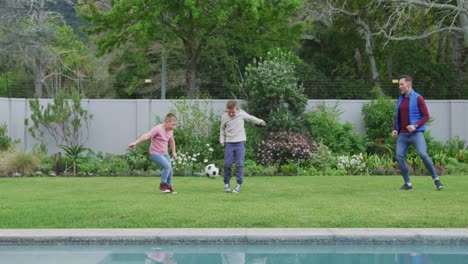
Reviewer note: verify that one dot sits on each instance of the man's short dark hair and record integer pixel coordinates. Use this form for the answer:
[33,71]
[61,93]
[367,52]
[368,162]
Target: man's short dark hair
[406,78]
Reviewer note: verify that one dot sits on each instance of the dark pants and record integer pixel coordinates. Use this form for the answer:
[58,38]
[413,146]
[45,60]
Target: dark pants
[234,152]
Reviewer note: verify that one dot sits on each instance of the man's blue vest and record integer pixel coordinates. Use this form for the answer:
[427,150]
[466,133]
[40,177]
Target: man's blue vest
[414,113]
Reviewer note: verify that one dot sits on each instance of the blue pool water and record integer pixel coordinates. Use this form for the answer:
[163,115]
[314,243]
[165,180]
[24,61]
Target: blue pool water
[234,254]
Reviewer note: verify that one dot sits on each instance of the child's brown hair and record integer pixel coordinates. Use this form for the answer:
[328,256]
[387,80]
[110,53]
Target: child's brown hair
[170,117]
[232,104]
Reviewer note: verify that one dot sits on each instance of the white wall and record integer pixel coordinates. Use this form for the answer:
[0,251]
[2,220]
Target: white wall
[116,123]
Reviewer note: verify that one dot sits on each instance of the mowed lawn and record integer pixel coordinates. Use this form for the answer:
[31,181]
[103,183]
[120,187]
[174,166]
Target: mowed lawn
[293,202]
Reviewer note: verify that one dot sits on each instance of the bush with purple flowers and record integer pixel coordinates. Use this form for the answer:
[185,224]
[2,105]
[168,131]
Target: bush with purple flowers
[280,147]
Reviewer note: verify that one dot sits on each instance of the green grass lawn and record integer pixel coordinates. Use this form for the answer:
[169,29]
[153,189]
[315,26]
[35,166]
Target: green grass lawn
[309,202]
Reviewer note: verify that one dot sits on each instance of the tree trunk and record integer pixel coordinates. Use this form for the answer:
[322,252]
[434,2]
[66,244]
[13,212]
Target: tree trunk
[390,66]
[425,41]
[38,76]
[370,54]
[463,18]
[192,54]
[440,47]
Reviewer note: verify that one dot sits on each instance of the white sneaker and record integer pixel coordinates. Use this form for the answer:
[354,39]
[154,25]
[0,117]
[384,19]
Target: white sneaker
[237,189]
[227,188]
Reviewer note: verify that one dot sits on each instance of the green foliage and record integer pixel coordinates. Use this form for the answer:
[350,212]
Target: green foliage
[74,154]
[289,169]
[251,168]
[379,116]
[455,167]
[325,127]
[428,73]
[64,120]
[194,27]
[18,161]
[321,159]
[88,165]
[111,164]
[5,141]
[462,155]
[273,93]
[255,134]
[197,127]
[380,164]
[138,157]
[454,146]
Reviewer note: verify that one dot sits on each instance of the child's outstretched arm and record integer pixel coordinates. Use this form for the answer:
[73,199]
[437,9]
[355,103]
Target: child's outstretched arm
[143,137]
[255,120]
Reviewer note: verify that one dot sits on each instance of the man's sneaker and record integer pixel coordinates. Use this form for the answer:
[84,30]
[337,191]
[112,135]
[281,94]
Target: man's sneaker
[237,189]
[227,188]
[161,186]
[438,185]
[406,186]
[172,190]
[164,188]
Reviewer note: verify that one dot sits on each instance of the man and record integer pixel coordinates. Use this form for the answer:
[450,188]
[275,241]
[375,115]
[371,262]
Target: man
[409,126]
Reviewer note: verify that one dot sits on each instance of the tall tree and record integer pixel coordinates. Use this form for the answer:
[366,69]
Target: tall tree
[446,17]
[194,24]
[29,27]
[365,20]
[37,38]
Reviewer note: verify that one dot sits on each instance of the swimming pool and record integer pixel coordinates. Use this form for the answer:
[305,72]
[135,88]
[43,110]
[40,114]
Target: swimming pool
[234,246]
[234,254]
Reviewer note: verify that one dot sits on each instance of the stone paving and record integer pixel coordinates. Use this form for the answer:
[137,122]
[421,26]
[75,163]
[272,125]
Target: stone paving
[327,236]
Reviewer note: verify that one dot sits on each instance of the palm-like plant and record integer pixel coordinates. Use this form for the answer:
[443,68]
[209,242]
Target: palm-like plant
[73,152]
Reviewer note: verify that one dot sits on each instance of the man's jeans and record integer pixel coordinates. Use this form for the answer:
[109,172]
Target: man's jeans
[234,152]
[417,140]
[165,162]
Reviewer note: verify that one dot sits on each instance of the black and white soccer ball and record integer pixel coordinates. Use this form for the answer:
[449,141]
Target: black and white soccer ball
[211,171]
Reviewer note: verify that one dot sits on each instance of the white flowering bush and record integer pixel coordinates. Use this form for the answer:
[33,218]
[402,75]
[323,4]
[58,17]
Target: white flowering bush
[273,91]
[352,164]
[188,162]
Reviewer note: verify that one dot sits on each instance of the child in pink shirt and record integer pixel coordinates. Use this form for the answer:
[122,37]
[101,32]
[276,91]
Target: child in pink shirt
[162,135]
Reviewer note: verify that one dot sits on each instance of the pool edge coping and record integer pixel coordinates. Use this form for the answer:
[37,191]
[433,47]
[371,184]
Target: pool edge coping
[447,236]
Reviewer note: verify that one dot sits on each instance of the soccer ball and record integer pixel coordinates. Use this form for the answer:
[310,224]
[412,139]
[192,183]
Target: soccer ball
[211,171]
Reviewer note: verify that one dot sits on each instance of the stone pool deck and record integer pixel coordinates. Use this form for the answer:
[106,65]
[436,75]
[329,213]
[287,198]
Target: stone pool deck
[327,236]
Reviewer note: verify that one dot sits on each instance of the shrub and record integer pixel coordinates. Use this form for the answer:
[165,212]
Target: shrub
[273,93]
[280,147]
[379,164]
[111,164]
[5,141]
[456,167]
[321,158]
[251,168]
[197,126]
[324,125]
[379,116]
[289,169]
[18,161]
[353,165]
[65,120]
[454,146]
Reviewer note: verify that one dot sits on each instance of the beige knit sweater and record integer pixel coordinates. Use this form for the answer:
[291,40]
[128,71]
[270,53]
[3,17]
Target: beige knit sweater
[232,129]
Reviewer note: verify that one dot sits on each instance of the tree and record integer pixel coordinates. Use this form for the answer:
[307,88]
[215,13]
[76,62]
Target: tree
[196,25]
[364,20]
[445,17]
[65,120]
[36,39]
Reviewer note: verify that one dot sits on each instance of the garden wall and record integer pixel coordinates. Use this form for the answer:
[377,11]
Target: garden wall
[116,123]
